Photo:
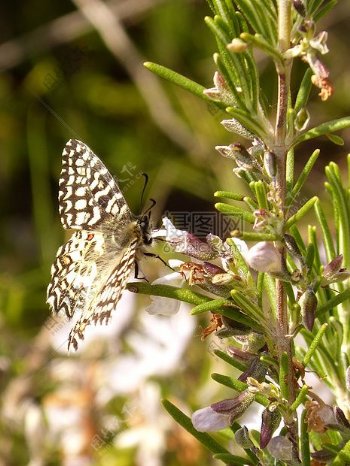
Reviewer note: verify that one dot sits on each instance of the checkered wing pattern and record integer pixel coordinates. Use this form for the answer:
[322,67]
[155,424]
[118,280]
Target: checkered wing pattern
[89,196]
[91,270]
[106,295]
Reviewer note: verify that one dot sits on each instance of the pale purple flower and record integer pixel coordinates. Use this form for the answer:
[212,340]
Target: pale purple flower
[221,414]
[264,257]
[208,420]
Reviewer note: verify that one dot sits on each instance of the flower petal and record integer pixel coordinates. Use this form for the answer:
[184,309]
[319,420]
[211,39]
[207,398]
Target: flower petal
[163,306]
[208,420]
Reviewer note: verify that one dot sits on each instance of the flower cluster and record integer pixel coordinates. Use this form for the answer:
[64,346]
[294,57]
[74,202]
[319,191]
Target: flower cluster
[262,297]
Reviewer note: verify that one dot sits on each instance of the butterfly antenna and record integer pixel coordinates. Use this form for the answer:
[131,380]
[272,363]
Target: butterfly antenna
[153,202]
[144,187]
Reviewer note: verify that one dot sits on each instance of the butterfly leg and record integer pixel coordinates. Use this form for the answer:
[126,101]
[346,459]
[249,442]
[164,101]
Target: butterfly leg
[156,256]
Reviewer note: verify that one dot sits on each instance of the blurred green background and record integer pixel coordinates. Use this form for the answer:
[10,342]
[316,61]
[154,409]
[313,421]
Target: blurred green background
[60,79]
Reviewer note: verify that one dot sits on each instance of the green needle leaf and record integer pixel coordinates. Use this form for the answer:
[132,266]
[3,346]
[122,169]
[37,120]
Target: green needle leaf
[301,212]
[323,129]
[235,212]
[167,291]
[316,341]
[181,81]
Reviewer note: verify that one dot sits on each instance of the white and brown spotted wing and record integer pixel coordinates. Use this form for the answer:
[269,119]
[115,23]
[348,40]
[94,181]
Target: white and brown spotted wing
[91,270]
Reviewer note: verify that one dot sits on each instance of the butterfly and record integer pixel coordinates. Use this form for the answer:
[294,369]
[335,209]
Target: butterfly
[91,270]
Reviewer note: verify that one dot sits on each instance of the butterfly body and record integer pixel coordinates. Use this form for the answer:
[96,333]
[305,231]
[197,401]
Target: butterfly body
[91,270]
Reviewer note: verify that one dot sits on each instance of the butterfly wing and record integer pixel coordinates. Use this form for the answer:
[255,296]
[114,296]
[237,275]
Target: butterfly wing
[107,296]
[77,266]
[89,197]
[91,270]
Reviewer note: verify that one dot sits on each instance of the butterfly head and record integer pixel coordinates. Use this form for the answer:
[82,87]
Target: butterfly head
[144,224]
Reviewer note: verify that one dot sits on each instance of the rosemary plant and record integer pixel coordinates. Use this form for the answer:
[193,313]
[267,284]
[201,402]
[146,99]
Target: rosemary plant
[286,285]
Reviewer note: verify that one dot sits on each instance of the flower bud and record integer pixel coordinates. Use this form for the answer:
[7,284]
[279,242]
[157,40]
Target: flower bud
[234,126]
[333,271]
[340,417]
[225,151]
[235,407]
[237,45]
[299,7]
[216,242]
[270,420]
[308,306]
[333,267]
[270,163]
[265,257]
[236,152]
[293,248]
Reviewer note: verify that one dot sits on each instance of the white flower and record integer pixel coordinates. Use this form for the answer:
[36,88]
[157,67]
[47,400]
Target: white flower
[34,428]
[208,420]
[264,257]
[148,436]
[166,306]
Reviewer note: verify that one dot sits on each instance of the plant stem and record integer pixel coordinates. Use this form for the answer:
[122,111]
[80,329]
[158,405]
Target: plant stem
[285,343]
